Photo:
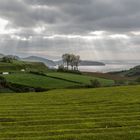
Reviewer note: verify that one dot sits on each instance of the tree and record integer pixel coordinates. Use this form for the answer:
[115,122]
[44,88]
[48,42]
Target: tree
[77,61]
[66,59]
[3,81]
[7,59]
[72,60]
[95,83]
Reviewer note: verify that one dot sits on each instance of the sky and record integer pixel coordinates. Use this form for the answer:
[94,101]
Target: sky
[93,29]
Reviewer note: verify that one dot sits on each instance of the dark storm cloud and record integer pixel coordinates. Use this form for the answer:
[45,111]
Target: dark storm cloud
[85,15]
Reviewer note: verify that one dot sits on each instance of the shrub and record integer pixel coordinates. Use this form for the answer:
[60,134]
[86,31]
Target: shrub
[95,83]
[119,82]
[138,80]
[132,83]
[3,81]
[22,88]
[37,73]
[7,59]
[61,68]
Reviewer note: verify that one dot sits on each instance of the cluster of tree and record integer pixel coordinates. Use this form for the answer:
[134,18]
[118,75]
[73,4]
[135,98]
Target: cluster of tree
[8,59]
[71,60]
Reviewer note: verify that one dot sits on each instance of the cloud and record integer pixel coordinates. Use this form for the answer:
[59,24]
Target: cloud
[101,28]
[73,15]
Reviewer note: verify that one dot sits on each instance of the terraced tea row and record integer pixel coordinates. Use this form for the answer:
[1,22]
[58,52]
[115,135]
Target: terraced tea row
[84,114]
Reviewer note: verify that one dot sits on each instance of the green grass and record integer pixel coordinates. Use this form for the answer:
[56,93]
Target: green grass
[81,78]
[81,114]
[32,80]
[67,80]
[18,65]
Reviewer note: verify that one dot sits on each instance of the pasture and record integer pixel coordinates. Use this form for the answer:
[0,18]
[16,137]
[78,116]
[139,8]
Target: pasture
[81,78]
[54,80]
[33,80]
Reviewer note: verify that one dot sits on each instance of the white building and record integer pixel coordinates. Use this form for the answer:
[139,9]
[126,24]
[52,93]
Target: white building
[23,70]
[5,73]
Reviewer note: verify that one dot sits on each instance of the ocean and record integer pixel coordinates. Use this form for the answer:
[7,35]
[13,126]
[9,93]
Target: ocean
[111,66]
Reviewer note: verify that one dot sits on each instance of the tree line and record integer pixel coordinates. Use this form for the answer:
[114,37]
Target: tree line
[71,60]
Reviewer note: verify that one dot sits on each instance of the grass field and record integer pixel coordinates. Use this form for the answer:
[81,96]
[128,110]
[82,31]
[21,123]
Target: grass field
[18,65]
[109,76]
[32,80]
[80,114]
[81,78]
[66,80]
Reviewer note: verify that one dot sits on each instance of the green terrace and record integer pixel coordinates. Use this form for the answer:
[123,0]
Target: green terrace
[79,114]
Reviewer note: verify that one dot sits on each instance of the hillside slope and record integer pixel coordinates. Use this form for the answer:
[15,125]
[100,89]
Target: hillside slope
[133,72]
[54,80]
[18,65]
[81,114]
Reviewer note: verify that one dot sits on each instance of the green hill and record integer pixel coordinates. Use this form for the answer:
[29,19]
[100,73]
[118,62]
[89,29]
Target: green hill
[17,65]
[81,114]
[33,80]
[48,79]
[54,80]
[133,72]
